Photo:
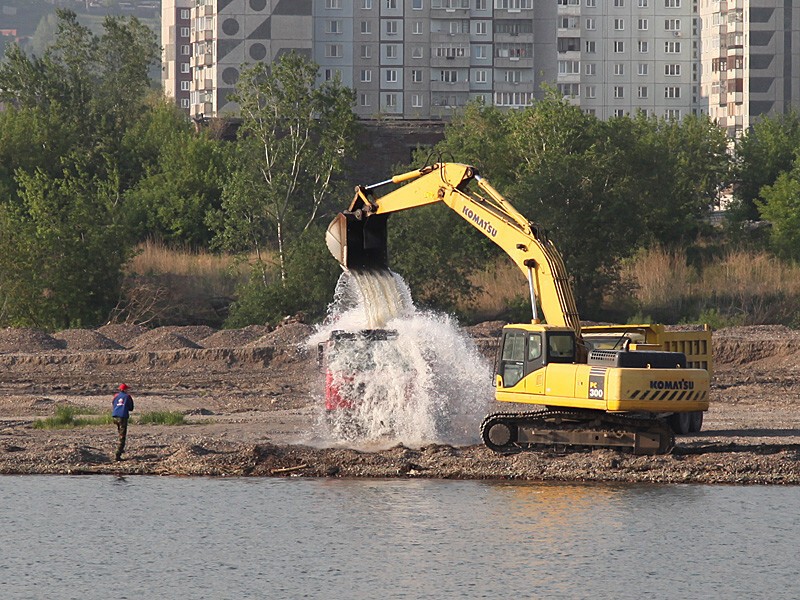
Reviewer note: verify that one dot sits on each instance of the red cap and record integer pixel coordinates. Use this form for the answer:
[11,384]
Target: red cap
[123,387]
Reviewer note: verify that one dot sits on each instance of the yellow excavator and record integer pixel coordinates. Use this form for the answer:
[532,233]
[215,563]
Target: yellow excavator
[628,387]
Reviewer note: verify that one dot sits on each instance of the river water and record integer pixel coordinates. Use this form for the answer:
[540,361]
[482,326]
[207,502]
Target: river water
[98,537]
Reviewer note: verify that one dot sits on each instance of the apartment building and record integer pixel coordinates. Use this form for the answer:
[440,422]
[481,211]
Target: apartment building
[749,59]
[424,59]
[176,68]
[629,56]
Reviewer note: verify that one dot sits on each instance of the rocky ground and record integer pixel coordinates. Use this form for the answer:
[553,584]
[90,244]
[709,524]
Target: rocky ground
[251,399]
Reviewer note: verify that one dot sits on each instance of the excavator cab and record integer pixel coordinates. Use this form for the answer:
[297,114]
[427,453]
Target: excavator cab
[357,241]
[523,351]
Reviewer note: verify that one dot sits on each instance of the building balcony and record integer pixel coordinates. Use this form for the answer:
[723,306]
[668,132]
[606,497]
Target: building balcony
[513,62]
[449,87]
[442,37]
[449,13]
[203,108]
[449,62]
[512,38]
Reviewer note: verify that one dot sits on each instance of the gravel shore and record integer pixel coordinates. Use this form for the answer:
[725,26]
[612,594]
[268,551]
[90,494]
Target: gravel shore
[250,398]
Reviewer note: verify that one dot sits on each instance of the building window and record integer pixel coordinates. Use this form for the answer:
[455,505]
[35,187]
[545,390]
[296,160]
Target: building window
[416,52]
[186,50]
[390,4]
[619,69]
[391,27]
[416,76]
[391,100]
[513,4]
[570,90]
[672,3]
[416,100]
[366,75]
[569,67]
[619,91]
[186,86]
[590,24]
[480,5]
[366,51]
[333,50]
[185,32]
[481,52]
[185,68]
[366,4]
[366,27]
[480,28]
[185,14]
[391,50]
[512,76]
[642,3]
[672,92]
[363,99]
[480,76]
[672,113]
[333,4]
[619,24]
[590,91]
[619,3]
[416,28]
[672,47]
[184,103]
[642,91]
[644,47]
[619,47]
[448,76]
[391,75]
[619,112]
[591,69]
[334,26]
[672,70]
[643,67]
[568,22]
[591,3]
[591,47]
[643,24]
[416,5]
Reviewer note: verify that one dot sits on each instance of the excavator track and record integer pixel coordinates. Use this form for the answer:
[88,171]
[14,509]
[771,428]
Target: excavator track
[575,430]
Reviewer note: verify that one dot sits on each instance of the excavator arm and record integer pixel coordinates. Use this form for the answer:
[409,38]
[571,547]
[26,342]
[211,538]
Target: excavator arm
[358,237]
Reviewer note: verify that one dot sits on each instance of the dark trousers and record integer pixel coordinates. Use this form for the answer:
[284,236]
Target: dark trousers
[122,429]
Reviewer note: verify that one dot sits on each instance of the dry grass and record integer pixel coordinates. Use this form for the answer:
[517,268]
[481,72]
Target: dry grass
[169,286]
[500,285]
[155,257]
[745,288]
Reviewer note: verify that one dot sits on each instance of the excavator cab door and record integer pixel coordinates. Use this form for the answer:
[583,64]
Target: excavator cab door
[521,353]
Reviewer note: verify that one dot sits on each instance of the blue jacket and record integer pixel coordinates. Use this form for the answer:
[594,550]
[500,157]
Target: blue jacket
[123,404]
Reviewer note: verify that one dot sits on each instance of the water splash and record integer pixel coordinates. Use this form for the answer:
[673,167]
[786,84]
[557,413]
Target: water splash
[428,383]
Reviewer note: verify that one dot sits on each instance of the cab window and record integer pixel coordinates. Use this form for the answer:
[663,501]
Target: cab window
[560,348]
[534,346]
[512,358]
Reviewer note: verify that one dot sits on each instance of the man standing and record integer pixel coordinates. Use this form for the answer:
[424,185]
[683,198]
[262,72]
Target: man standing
[122,406]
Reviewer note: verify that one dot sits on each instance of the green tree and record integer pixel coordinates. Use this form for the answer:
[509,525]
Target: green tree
[63,170]
[765,151]
[294,139]
[781,207]
[62,253]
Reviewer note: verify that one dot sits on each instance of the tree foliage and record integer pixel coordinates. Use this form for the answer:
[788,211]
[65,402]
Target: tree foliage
[780,205]
[765,151]
[63,168]
[601,189]
[293,140]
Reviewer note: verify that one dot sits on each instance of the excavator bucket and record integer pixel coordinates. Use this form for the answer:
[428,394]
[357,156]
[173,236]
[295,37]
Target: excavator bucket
[358,243]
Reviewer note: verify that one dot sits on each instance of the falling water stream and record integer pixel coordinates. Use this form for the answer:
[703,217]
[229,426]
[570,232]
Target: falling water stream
[421,380]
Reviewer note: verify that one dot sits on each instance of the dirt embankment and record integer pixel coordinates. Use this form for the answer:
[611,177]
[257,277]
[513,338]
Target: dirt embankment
[251,399]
